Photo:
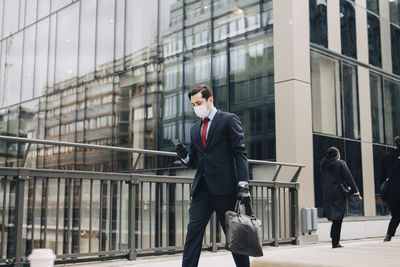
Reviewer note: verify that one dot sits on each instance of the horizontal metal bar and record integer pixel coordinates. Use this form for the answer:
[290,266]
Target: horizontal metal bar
[125,149]
[100,253]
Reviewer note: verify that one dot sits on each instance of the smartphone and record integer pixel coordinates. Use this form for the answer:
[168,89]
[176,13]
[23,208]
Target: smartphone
[176,142]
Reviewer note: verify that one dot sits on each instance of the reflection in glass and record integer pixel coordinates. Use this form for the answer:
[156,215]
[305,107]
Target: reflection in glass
[10,20]
[219,77]
[325,88]
[377,117]
[67,46]
[381,206]
[394,9]
[348,29]
[350,102]
[374,40]
[28,63]
[87,45]
[251,94]
[140,32]
[3,46]
[395,41]
[392,109]
[13,68]
[318,23]
[373,5]
[105,37]
[43,8]
[42,44]
[30,11]
[197,24]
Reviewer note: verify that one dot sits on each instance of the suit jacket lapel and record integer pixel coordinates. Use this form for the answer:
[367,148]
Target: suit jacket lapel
[197,134]
[212,128]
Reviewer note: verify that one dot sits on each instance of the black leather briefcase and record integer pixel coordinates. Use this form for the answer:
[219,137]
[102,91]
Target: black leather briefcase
[243,233]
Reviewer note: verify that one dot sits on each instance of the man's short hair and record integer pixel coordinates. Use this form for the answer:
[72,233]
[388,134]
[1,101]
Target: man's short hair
[206,91]
[397,141]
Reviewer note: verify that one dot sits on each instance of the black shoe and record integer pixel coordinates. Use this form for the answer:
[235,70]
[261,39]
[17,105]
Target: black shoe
[337,245]
[387,238]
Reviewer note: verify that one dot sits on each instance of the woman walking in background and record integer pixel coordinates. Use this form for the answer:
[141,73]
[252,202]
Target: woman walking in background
[391,169]
[335,179]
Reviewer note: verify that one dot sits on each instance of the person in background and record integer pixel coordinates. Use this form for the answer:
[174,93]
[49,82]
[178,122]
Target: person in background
[336,175]
[391,169]
[218,153]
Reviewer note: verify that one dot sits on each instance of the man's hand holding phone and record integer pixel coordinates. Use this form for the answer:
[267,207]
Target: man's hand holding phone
[181,150]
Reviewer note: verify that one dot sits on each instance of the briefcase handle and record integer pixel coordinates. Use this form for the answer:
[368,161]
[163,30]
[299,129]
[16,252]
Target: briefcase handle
[237,209]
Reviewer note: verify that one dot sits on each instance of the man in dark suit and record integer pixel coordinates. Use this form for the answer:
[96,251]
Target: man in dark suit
[218,153]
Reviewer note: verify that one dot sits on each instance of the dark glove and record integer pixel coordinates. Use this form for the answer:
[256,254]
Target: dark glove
[243,194]
[181,151]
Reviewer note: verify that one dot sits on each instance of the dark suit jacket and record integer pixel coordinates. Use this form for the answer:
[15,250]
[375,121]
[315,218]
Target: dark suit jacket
[388,162]
[223,162]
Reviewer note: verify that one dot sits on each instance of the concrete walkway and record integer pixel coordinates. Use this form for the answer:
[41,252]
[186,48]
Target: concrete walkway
[368,252]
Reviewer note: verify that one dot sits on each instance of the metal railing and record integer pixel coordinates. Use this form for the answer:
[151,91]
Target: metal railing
[86,215]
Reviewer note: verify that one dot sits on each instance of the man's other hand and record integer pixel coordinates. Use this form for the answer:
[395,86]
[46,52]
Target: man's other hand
[243,194]
[181,151]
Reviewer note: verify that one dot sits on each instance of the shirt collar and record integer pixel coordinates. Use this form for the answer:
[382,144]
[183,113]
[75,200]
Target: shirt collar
[212,114]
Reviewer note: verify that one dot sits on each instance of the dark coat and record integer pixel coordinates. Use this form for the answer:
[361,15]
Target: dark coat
[223,162]
[335,199]
[388,162]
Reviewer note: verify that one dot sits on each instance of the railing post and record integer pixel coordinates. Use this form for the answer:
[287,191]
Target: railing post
[275,214]
[213,236]
[132,220]
[295,213]
[19,216]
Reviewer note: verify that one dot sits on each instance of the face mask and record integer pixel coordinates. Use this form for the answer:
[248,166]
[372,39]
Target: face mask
[201,111]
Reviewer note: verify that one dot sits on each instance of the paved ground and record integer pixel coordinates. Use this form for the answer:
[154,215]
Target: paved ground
[367,252]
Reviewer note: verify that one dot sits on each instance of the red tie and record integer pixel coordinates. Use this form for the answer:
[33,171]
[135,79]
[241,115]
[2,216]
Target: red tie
[204,132]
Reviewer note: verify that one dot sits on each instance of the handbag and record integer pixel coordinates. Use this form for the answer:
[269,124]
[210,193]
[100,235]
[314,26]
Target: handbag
[243,233]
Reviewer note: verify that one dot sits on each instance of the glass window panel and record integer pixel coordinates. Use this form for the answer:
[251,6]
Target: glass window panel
[233,18]
[392,109]
[140,32]
[21,14]
[170,26]
[381,206]
[28,63]
[42,50]
[348,29]
[219,76]
[12,77]
[2,69]
[395,41]
[373,5]
[10,20]
[30,6]
[1,20]
[374,40]
[67,46]
[377,117]
[325,88]
[58,4]
[43,8]
[251,97]
[105,37]
[267,15]
[52,52]
[87,36]
[119,35]
[350,102]
[394,9]
[197,24]
[318,23]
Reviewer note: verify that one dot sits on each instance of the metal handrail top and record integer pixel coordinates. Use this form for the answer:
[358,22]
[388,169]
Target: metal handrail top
[125,149]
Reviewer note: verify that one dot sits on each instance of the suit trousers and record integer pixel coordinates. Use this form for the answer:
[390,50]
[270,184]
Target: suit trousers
[201,208]
[395,220]
[335,231]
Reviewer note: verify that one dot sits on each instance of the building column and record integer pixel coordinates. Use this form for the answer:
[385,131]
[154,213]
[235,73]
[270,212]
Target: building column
[385,36]
[293,116]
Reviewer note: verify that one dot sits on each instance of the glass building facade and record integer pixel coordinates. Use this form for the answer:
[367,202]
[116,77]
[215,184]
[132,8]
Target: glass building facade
[117,73]
[336,93]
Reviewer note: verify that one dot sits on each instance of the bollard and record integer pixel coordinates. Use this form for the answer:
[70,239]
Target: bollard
[42,257]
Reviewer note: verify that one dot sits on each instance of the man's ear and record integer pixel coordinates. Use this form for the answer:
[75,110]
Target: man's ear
[211,98]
